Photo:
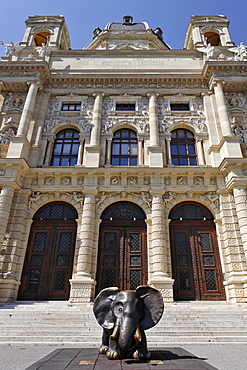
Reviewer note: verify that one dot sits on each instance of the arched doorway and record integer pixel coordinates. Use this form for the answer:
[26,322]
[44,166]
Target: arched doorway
[195,256]
[50,253]
[122,256]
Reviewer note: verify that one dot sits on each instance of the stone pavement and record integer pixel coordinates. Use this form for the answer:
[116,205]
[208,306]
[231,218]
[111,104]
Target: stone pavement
[172,358]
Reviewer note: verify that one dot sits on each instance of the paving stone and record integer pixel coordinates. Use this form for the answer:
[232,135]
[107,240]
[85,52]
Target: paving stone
[172,358]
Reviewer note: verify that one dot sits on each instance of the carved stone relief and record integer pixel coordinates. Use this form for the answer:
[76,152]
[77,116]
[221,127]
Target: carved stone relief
[165,124]
[6,135]
[14,102]
[101,180]
[199,180]
[115,180]
[66,181]
[35,196]
[236,100]
[133,180]
[169,196]
[108,123]
[49,181]
[181,180]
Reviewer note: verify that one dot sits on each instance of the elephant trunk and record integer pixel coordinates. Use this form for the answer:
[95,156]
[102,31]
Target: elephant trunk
[129,337]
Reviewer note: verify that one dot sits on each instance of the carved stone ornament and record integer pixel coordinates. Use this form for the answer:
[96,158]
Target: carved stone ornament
[115,180]
[48,181]
[199,180]
[35,196]
[133,180]
[66,181]
[14,102]
[235,100]
[244,170]
[146,180]
[77,196]
[169,196]
[241,131]
[163,106]
[145,196]
[6,135]
[107,124]
[2,171]
[181,180]
[101,196]
[166,123]
[213,197]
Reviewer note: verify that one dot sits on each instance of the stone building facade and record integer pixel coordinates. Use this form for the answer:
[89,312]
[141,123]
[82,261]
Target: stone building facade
[123,163]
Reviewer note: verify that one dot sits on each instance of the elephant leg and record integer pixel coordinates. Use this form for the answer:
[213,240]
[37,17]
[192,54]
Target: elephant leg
[113,352]
[105,340]
[142,351]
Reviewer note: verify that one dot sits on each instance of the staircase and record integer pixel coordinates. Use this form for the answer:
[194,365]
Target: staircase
[58,323]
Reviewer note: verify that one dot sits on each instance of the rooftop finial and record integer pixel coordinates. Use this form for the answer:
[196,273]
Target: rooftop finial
[127,20]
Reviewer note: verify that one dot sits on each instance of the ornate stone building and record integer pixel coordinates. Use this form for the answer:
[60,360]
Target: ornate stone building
[123,163]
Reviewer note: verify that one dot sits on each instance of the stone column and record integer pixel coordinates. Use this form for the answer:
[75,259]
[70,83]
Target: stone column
[108,151]
[240,197]
[93,150]
[28,109]
[221,106]
[6,197]
[140,152]
[80,151]
[41,117]
[168,151]
[155,150]
[82,285]
[48,154]
[160,278]
[96,122]
[158,237]
[153,120]
[200,156]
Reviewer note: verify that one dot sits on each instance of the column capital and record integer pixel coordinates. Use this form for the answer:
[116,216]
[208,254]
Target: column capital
[98,94]
[35,82]
[216,82]
[207,93]
[149,94]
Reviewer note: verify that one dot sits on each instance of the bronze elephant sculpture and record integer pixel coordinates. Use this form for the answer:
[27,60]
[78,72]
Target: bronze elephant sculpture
[124,315]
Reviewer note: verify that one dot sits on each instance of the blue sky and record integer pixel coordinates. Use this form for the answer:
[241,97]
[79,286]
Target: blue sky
[82,16]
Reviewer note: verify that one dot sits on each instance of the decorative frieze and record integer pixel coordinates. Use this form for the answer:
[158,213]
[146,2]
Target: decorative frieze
[14,102]
[166,123]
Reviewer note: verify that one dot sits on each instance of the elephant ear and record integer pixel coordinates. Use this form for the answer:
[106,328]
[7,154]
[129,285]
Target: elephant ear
[102,307]
[154,306]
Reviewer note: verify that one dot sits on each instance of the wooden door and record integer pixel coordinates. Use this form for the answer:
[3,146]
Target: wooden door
[49,261]
[122,257]
[195,261]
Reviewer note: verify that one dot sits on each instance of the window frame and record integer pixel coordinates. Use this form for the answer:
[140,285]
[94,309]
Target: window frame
[120,144]
[76,104]
[58,158]
[185,148]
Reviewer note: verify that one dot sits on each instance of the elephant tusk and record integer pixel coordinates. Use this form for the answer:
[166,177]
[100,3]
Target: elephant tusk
[115,332]
[137,336]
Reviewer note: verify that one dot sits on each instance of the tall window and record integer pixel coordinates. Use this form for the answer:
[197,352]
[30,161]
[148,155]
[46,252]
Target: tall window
[183,148]
[66,148]
[124,148]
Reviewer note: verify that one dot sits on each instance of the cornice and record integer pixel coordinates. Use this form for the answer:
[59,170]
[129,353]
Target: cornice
[24,71]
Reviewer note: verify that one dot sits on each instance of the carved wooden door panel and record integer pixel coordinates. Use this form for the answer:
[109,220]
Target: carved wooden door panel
[196,262]
[184,284]
[49,261]
[122,257]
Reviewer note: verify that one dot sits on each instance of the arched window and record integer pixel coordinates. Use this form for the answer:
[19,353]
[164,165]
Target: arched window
[183,148]
[66,146]
[213,38]
[124,148]
[41,38]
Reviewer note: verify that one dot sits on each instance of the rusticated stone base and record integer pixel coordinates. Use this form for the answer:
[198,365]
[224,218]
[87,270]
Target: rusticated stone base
[236,292]
[81,291]
[166,291]
[8,290]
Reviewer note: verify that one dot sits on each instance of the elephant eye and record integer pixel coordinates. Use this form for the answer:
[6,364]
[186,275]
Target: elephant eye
[120,309]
